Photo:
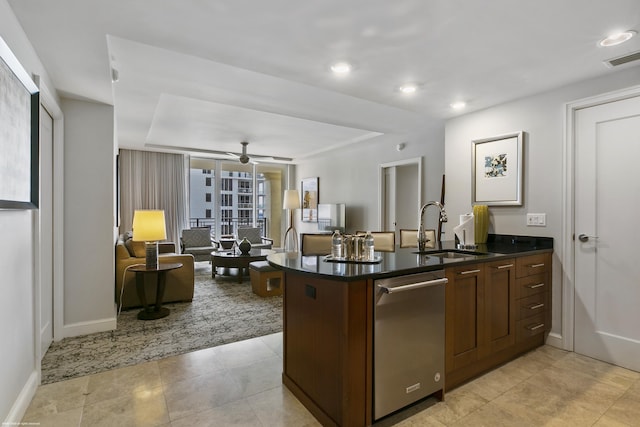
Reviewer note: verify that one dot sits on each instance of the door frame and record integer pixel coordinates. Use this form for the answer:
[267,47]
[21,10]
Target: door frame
[567,340]
[49,102]
[381,185]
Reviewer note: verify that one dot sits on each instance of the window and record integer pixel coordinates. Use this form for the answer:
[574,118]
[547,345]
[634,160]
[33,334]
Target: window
[207,182]
[246,214]
[244,201]
[207,197]
[207,213]
[244,186]
[226,200]
[227,184]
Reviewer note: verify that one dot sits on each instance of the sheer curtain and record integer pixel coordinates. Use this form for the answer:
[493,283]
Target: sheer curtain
[150,180]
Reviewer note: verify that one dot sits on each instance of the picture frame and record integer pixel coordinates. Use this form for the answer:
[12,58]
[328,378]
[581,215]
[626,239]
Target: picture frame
[497,170]
[310,195]
[19,134]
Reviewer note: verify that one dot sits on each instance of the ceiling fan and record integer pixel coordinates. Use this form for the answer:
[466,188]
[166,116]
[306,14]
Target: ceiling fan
[244,157]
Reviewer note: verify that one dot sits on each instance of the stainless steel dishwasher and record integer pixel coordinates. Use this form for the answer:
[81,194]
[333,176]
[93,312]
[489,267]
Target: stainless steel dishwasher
[408,342]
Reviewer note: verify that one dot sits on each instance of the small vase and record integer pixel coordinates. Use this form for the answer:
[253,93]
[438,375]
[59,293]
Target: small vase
[481,214]
[244,246]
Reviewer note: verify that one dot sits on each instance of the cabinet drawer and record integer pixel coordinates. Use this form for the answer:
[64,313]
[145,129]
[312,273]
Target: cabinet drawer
[533,264]
[532,305]
[531,285]
[530,326]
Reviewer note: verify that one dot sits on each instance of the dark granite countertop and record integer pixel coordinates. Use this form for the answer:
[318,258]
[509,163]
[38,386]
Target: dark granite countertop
[408,261]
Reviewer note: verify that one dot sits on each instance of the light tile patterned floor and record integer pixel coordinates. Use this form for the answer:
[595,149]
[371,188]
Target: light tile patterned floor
[240,384]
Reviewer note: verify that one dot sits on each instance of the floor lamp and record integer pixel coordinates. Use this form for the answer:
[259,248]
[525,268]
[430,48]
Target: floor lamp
[291,202]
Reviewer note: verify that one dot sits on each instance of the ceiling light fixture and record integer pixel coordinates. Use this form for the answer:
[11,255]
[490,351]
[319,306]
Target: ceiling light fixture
[458,105]
[408,88]
[341,68]
[617,38]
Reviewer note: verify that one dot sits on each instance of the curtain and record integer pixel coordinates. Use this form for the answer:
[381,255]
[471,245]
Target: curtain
[150,180]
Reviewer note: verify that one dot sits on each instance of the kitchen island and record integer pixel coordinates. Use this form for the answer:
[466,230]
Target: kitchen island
[497,306]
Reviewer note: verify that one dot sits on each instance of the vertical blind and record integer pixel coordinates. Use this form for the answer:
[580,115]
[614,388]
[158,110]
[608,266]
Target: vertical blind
[150,180]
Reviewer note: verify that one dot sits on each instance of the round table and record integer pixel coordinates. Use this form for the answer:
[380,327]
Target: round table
[141,270]
[233,259]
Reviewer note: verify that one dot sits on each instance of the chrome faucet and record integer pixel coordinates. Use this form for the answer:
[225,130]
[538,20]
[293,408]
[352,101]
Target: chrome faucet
[422,238]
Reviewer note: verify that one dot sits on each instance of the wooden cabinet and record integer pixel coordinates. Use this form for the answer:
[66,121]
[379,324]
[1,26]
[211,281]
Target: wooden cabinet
[464,315]
[500,306]
[325,347]
[533,279]
[495,311]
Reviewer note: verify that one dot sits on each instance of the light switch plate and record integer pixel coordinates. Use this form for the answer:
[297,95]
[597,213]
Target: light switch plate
[536,219]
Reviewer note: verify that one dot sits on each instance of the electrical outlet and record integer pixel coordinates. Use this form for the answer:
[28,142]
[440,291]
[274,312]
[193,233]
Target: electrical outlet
[536,220]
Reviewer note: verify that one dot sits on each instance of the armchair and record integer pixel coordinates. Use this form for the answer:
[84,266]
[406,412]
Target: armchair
[253,236]
[198,242]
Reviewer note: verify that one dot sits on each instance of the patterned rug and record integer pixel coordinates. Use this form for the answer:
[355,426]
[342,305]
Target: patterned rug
[222,311]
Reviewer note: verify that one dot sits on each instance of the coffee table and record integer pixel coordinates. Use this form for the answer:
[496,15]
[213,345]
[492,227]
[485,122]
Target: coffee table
[233,259]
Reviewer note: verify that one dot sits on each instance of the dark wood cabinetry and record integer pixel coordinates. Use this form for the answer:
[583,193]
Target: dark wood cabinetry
[325,347]
[500,306]
[533,279]
[495,311]
[464,315]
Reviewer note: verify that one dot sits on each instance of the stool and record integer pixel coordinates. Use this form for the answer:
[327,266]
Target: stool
[266,280]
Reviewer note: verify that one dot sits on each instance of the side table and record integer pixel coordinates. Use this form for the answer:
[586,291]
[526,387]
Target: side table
[141,270]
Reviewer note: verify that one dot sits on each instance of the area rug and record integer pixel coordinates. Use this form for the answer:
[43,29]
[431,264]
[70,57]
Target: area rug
[222,311]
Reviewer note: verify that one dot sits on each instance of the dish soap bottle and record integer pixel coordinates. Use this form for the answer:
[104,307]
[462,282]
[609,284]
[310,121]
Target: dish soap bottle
[336,245]
[368,247]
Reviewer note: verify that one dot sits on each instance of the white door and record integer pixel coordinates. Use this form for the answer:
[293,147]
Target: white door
[46,230]
[607,233]
[401,190]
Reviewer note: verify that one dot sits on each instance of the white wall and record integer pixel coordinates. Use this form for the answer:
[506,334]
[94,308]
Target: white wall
[542,118]
[19,375]
[351,175]
[89,220]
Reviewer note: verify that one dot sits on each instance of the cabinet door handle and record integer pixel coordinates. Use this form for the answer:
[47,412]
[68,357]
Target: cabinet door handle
[536,265]
[534,327]
[535,306]
[500,267]
[535,286]
[469,272]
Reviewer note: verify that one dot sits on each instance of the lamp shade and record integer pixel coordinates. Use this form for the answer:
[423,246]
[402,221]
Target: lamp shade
[149,226]
[291,199]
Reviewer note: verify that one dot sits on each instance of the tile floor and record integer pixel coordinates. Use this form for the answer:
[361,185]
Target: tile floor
[239,384]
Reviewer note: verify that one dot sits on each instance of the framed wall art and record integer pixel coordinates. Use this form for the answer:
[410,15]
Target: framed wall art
[19,133]
[309,196]
[497,170]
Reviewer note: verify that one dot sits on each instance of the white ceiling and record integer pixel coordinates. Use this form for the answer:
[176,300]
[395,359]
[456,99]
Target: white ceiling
[206,74]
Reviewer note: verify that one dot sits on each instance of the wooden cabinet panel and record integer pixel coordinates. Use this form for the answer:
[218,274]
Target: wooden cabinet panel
[530,326]
[532,305]
[531,285]
[325,346]
[500,308]
[464,313]
[532,264]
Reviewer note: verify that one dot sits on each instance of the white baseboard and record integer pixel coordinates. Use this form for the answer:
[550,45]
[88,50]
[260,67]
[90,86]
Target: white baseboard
[555,340]
[85,328]
[23,401]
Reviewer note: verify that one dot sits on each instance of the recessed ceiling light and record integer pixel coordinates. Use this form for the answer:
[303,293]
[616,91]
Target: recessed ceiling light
[458,105]
[341,68]
[617,38]
[408,88]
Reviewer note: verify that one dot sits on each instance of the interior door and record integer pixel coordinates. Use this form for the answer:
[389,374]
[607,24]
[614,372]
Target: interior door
[607,189]
[46,230]
[401,196]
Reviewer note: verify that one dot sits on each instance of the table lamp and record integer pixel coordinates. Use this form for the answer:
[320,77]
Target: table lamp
[149,227]
[291,202]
